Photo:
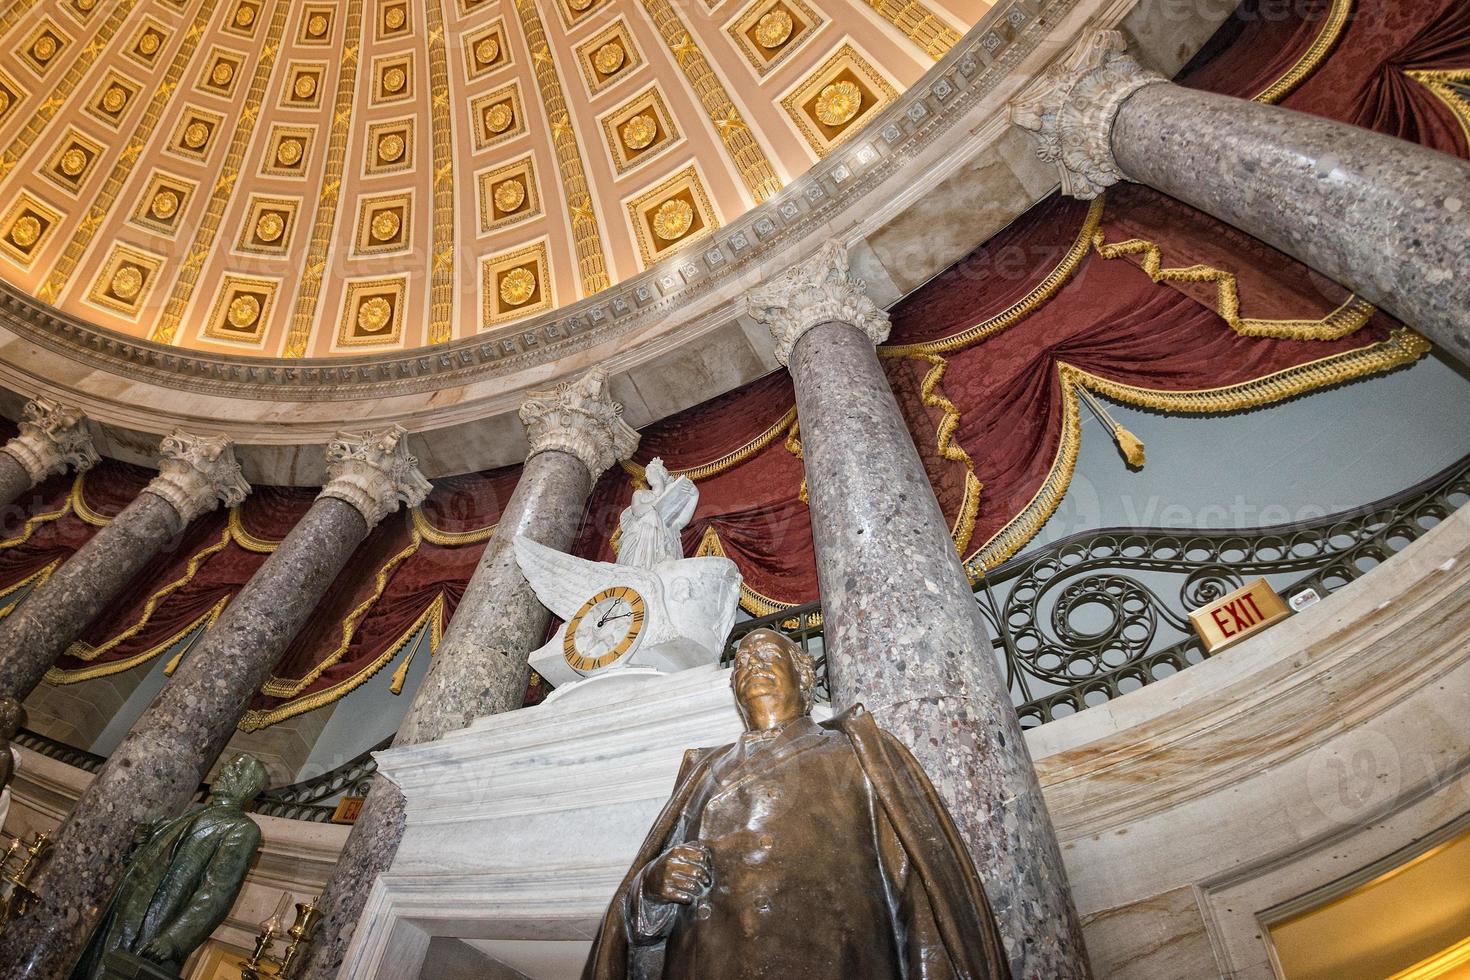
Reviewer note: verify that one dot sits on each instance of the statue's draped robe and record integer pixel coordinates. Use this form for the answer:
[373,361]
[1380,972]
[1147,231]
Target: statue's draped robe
[832,859]
[651,526]
[181,882]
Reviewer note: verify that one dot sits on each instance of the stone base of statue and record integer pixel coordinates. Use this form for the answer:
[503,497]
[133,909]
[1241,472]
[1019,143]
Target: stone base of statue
[521,826]
[126,966]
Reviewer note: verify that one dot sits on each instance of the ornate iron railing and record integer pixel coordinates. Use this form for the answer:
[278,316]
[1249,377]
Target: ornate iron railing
[1075,623]
[1098,614]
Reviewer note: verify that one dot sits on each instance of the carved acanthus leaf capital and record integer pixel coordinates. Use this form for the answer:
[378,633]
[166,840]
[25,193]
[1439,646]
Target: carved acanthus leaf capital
[1072,108]
[197,473]
[374,472]
[819,290]
[52,438]
[580,419]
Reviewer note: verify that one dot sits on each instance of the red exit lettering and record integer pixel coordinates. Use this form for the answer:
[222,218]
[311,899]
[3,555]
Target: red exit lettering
[1235,617]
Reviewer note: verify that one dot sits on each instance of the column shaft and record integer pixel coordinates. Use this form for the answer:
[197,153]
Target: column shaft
[160,763]
[905,637]
[1387,218]
[14,480]
[481,666]
[49,619]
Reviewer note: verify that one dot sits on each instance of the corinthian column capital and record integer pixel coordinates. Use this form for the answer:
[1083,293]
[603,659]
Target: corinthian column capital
[580,419]
[196,473]
[52,438]
[819,290]
[1071,110]
[374,472]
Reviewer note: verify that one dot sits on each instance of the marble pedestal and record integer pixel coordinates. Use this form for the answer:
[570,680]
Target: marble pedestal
[520,826]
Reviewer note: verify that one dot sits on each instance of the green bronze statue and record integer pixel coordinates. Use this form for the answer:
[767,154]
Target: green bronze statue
[183,878]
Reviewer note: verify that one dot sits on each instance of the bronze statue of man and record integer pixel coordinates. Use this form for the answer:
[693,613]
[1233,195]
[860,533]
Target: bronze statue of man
[183,878]
[802,851]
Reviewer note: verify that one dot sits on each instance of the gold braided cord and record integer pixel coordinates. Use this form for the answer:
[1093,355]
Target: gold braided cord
[56,675]
[1332,30]
[432,617]
[85,651]
[750,160]
[732,459]
[245,539]
[919,24]
[79,504]
[33,523]
[329,196]
[58,93]
[284,687]
[933,397]
[441,274]
[1024,307]
[1442,83]
[588,237]
[1350,317]
[1403,347]
[448,539]
[37,578]
[167,329]
[127,160]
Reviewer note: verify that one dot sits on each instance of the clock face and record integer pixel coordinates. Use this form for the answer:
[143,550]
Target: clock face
[606,627]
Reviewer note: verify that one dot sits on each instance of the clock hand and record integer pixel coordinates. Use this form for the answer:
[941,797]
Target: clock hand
[603,621]
[609,619]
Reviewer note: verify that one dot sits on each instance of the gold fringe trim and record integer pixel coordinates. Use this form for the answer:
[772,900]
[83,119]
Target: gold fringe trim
[35,578]
[280,687]
[728,461]
[933,397]
[62,677]
[1403,347]
[433,617]
[1442,84]
[79,504]
[1347,319]
[245,539]
[793,446]
[1024,307]
[1326,40]
[82,651]
[448,539]
[31,525]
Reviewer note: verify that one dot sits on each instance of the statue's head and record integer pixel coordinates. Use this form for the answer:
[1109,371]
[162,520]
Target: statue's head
[774,676]
[239,780]
[12,716]
[657,474]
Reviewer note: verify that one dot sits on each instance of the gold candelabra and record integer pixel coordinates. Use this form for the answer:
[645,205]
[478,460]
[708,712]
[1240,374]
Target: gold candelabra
[300,933]
[19,865]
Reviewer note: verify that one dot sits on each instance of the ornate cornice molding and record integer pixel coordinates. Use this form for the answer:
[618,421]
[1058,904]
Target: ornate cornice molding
[1071,109]
[196,474]
[374,472]
[52,438]
[819,290]
[580,419]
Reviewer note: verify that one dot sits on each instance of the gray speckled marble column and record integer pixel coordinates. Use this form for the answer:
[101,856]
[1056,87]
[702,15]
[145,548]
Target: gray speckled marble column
[156,769]
[903,633]
[1386,218]
[196,473]
[480,667]
[52,438]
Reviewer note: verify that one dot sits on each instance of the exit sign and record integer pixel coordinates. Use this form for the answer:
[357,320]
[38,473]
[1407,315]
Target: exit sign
[1242,613]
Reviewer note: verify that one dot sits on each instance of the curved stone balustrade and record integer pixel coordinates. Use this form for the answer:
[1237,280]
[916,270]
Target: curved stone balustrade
[938,172]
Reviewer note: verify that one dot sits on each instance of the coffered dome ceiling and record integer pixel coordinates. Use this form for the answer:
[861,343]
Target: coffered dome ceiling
[308,179]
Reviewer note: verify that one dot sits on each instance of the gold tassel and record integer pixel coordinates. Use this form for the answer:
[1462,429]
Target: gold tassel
[400,676]
[1131,446]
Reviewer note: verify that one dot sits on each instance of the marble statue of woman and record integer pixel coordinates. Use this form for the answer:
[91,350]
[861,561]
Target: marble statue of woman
[651,526]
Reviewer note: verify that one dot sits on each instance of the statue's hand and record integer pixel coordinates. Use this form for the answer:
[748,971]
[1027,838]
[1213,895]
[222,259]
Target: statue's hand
[160,949]
[681,874]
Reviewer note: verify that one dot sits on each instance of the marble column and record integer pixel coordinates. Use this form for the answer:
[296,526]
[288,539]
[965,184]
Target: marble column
[195,474]
[160,763]
[903,633]
[576,432]
[52,438]
[1386,218]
